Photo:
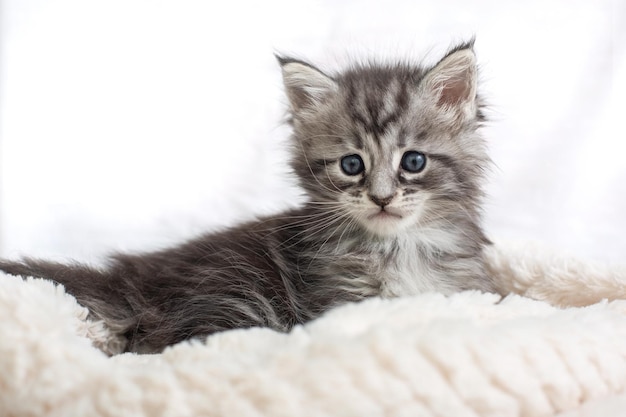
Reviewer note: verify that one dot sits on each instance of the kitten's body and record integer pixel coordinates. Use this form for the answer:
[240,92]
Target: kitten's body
[392,163]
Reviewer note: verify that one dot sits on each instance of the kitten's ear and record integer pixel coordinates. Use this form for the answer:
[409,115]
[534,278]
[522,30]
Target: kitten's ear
[453,81]
[306,85]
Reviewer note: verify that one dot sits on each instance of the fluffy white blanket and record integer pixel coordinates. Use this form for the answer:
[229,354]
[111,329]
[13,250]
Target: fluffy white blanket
[467,355]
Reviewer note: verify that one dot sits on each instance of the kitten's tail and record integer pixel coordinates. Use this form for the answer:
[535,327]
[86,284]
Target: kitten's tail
[93,288]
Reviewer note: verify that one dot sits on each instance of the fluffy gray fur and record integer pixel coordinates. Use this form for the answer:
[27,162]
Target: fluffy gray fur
[404,219]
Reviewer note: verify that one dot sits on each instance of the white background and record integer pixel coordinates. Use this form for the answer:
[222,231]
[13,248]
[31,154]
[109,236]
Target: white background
[131,124]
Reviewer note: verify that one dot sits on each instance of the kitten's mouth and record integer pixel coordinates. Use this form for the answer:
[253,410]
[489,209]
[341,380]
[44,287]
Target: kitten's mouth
[384,214]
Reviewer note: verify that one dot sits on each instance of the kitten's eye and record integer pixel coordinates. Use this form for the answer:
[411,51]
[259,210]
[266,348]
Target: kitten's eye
[352,164]
[413,161]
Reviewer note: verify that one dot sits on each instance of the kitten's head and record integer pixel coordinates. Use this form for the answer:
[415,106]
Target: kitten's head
[389,146]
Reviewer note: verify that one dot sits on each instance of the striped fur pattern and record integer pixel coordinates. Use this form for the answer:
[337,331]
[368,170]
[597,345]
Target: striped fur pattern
[392,162]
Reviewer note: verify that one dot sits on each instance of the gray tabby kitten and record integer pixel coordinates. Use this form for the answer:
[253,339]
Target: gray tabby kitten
[392,162]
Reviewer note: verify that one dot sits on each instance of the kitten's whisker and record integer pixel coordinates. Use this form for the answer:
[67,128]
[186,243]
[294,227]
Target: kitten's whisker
[313,229]
[345,218]
[349,229]
[302,220]
[307,220]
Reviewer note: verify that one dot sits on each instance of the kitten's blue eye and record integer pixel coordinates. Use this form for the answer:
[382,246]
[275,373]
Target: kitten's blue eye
[352,164]
[413,161]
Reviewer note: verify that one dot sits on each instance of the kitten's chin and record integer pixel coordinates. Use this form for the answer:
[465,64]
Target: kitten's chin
[386,222]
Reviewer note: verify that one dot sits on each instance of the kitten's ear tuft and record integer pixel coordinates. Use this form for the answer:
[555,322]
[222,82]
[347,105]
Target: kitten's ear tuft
[453,81]
[306,85]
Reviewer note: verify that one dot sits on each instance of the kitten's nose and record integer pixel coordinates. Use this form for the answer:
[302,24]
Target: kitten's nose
[382,202]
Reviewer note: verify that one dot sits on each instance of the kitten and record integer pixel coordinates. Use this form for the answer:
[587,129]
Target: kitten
[392,162]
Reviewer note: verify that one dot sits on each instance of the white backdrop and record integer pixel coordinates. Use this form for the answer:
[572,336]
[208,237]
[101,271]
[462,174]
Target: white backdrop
[129,124]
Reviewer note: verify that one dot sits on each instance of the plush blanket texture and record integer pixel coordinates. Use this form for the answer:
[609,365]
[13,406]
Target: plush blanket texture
[472,354]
